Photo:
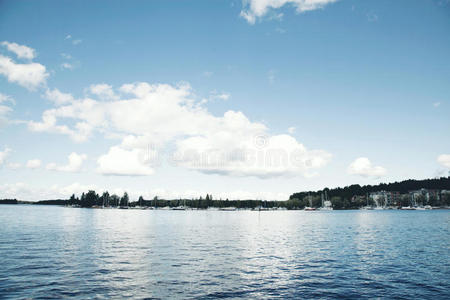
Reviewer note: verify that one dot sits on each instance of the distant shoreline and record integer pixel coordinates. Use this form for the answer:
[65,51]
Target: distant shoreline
[168,208]
[408,195]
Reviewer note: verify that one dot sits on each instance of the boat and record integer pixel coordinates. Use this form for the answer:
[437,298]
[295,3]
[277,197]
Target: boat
[408,208]
[428,207]
[308,208]
[227,208]
[367,208]
[326,204]
[179,208]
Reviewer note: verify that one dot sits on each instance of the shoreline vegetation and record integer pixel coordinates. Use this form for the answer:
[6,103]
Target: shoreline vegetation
[408,194]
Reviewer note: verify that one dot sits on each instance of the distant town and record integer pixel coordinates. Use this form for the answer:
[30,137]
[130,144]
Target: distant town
[406,195]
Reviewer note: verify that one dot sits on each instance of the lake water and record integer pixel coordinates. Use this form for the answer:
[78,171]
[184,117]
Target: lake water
[57,252]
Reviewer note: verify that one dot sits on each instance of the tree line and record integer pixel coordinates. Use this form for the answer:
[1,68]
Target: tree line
[91,199]
[349,197]
[355,196]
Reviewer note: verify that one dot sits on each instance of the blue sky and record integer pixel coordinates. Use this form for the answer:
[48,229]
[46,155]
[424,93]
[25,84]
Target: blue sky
[345,91]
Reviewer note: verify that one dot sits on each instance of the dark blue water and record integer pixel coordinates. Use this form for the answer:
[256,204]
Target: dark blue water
[57,252]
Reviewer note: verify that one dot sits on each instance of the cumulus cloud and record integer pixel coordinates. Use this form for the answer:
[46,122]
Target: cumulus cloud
[103,91]
[29,75]
[58,97]
[444,159]
[3,155]
[256,9]
[363,166]
[162,115]
[34,163]
[20,50]
[119,161]
[242,151]
[75,162]
[291,130]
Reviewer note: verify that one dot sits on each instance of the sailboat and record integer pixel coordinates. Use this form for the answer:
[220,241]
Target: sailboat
[367,207]
[326,204]
[309,208]
[182,207]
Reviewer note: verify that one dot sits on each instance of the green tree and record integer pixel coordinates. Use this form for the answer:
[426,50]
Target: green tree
[89,200]
[124,200]
[114,200]
[105,199]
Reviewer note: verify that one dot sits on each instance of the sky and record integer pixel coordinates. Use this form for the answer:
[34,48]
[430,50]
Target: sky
[253,99]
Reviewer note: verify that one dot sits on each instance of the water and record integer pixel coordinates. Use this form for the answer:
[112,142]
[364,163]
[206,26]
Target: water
[57,252]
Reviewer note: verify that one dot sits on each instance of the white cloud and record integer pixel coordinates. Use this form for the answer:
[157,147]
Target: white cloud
[162,115]
[256,9]
[68,37]
[241,148]
[437,104]
[66,66]
[4,111]
[30,75]
[221,96]
[214,95]
[57,97]
[291,130]
[20,50]
[6,98]
[74,164]
[362,166]
[103,91]
[444,159]
[119,161]
[34,163]
[76,42]
[3,155]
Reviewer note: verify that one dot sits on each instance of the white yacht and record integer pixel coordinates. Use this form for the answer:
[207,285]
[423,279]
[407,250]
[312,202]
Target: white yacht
[326,203]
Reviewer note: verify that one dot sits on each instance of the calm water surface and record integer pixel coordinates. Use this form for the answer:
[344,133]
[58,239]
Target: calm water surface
[57,252]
